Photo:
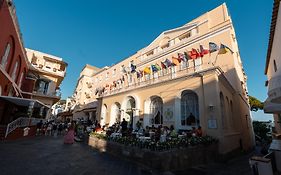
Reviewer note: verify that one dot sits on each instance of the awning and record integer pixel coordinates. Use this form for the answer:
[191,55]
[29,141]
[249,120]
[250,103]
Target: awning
[270,107]
[92,106]
[23,101]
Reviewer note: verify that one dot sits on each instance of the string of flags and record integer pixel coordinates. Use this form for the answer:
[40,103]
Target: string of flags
[175,61]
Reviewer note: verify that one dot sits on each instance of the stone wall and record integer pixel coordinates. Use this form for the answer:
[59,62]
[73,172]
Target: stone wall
[176,159]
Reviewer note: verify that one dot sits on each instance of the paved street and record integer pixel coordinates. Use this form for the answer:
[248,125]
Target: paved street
[48,155]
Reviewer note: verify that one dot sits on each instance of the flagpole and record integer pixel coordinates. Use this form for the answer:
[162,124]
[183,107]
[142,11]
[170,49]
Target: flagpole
[213,63]
[216,56]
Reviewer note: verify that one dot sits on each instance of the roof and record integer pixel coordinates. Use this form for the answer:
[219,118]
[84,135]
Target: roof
[46,56]
[90,67]
[272,32]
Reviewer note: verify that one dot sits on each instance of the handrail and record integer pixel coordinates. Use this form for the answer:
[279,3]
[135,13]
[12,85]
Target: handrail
[21,122]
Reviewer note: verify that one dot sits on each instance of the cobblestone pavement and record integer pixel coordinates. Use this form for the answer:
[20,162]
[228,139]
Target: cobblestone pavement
[48,155]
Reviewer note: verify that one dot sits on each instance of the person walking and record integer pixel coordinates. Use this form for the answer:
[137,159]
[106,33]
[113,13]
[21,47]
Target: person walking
[69,137]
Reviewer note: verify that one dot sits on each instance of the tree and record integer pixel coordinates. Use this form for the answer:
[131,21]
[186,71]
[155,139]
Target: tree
[261,130]
[255,104]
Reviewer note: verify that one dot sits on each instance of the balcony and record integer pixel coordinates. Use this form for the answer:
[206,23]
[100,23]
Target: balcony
[274,89]
[159,77]
[48,69]
[50,94]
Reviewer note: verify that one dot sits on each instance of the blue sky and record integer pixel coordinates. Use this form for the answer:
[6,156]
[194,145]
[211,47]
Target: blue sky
[102,32]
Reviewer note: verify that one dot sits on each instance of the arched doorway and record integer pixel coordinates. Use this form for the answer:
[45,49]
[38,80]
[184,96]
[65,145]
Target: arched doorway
[115,116]
[129,110]
[189,109]
[156,110]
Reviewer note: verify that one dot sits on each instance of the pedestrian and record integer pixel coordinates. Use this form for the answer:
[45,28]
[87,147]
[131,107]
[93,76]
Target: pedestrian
[49,129]
[39,128]
[54,130]
[69,137]
[60,128]
[124,125]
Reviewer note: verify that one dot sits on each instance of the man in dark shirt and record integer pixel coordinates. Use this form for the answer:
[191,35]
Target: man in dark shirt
[124,124]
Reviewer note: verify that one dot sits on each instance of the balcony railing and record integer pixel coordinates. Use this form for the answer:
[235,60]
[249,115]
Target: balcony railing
[274,89]
[158,77]
[51,94]
[21,122]
[49,69]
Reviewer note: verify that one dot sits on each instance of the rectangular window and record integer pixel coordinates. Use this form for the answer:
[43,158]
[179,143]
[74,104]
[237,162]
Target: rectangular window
[184,36]
[149,53]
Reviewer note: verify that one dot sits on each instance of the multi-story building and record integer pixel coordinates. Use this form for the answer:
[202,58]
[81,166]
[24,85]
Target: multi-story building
[188,76]
[85,106]
[45,74]
[16,112]
[14,64]
[273,70]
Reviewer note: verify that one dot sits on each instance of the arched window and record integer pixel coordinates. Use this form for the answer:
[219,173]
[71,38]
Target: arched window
[156,110]
[129,113]
[189,108]
[4,59]
[115,113]
[15,70]
[222,105]
[0,90]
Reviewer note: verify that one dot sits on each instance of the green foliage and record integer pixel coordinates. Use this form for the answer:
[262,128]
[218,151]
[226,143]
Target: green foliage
[255,104]
[172,143]
[261,129]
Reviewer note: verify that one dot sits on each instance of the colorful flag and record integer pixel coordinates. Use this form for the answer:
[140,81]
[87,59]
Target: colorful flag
[193,54]
[133,68]
[203,51]
[147,70]
[157,66]
[138,74]
[154,68]
[163,65]
[213,47]
[186,57]
[181,57]
[167,63]
[224,49]
[175,61]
